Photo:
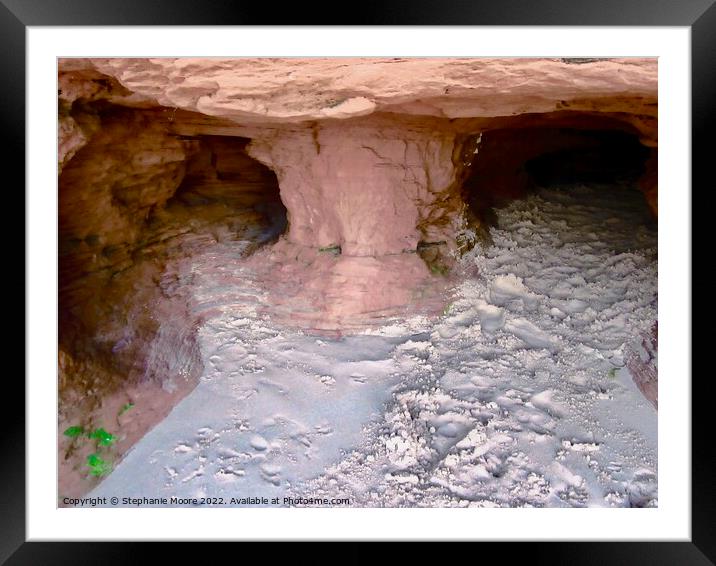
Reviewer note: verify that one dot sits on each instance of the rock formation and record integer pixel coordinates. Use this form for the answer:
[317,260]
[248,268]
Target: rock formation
[364,149]
[382,166]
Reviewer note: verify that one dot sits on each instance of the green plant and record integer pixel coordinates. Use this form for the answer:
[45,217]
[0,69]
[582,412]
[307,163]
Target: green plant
[74,431]
[612,373]
[98,466]
[103,437]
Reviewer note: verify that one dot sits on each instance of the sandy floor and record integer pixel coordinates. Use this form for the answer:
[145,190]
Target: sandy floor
[516,396]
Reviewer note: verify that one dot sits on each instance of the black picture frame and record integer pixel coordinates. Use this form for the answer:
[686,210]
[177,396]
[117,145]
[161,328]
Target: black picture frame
[699,15]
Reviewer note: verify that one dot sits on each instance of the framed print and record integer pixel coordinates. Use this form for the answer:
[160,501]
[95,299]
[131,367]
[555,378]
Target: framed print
[389,279]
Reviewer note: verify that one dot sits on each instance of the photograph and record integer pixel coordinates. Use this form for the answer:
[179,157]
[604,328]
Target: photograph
[353,282]
[409,275]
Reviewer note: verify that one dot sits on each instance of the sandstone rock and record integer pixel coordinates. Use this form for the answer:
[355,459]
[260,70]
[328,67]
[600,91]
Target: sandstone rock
[364,189]
[108,189]
[373,139]
[72,136]
[326,291]
[299,90]
[373,160]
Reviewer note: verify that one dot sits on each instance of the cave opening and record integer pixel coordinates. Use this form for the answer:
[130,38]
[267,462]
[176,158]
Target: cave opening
[606,157]
[231,192]
[513,162]
[130,259]
[159,201]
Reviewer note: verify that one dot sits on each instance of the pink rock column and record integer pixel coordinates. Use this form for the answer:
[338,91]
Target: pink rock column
[371,190]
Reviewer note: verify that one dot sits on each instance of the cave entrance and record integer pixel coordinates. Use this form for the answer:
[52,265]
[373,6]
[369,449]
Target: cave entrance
[229,191]
[156,200]
[511,163]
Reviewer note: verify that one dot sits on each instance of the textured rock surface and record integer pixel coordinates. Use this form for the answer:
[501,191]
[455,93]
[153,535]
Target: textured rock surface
[366,190]
[281,90]
[108,190]
[78,86]
[305,116]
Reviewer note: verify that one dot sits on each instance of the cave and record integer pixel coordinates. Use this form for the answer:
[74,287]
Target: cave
[259,258]
[159,198]
[612,157]
[513,162]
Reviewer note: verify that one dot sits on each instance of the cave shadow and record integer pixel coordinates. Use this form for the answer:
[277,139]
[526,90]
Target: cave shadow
[513,163]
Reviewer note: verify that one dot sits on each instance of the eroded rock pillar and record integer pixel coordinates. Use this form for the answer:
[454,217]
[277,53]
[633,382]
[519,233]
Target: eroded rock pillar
[372,191]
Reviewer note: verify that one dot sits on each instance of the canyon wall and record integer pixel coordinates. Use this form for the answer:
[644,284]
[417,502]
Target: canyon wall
[313,122]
